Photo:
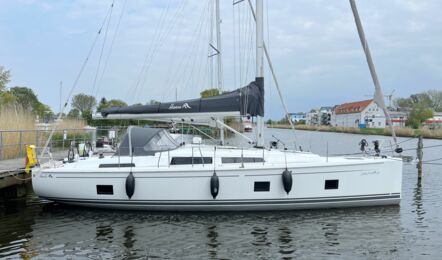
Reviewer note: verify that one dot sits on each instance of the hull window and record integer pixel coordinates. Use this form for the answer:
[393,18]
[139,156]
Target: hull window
[105,189]
[331,184]
[190,160]
[262,186]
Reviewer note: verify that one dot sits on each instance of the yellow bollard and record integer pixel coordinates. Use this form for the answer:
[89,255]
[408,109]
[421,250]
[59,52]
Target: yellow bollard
[30,159]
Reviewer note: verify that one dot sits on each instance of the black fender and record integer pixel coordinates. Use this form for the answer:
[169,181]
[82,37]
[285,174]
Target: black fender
[287,180]
[130,185]
[214,185]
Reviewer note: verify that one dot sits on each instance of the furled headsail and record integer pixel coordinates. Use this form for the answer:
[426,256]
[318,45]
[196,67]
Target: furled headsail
[248,100]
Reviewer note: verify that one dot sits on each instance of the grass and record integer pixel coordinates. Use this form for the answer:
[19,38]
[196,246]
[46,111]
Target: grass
[17,127]
[400,131]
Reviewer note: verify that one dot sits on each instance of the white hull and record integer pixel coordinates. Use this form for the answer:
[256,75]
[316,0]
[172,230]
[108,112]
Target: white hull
[361,182]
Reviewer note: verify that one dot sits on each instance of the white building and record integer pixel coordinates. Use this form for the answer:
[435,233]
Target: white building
[297,117]
[312,117]
[361,114]
[435,121]
[398,118]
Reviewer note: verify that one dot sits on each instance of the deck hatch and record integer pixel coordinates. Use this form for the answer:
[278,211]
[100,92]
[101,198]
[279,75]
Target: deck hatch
[331,184]
[105,189]
[262,186]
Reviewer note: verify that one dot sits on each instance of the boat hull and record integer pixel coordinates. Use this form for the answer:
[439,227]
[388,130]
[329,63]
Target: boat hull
[356,184]
[229,205]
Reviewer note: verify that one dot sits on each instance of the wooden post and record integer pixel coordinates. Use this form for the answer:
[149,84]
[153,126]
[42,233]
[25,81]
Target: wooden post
[420,154]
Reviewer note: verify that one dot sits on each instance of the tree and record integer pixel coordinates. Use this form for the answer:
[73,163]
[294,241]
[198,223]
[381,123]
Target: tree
[25,97]
[209,92]
[74,113]
[418,114]
[111,103]
[436,99]
[7,98]
[5,76]
[43,110]
[403,103]
[83,102]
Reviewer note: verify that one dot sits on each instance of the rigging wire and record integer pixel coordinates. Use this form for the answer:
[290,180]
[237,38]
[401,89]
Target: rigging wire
[102,47]
[182,77]
[74,85]
[106,62]
[149,50]
[162,38]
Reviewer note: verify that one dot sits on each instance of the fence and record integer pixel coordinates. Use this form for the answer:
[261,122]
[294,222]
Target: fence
[13,142]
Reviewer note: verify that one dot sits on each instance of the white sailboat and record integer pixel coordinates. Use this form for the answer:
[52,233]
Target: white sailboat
[151,171]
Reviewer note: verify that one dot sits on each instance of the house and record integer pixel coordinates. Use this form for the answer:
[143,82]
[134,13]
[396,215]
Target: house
[398,118]
[362,114]
[324,115]
[297,117]
[312,117]
[435,121]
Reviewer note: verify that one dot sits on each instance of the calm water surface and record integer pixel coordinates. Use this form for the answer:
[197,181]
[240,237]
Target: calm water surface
[31,227]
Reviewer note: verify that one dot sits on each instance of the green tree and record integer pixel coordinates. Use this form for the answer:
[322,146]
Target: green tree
[43,111]
[83,102]
[25,97]
[7,98]
[403,103]
[111,103]
[74,113]
[209,92]
[5,76]
[418,114]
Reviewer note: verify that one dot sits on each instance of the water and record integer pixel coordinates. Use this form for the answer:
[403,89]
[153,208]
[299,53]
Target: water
[31,227]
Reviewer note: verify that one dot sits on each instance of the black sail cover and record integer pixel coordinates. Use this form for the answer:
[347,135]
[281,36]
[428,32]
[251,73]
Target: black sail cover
[248,100]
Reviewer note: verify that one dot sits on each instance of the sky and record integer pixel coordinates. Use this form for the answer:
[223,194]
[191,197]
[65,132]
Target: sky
[159,49]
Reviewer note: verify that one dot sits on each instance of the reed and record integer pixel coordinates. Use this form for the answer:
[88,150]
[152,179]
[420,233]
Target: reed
[18,129]
[12,119]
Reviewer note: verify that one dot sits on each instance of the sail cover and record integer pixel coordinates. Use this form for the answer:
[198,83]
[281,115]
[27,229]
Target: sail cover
[248,100]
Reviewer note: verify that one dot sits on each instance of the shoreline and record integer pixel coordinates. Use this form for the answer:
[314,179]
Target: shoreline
[400,132]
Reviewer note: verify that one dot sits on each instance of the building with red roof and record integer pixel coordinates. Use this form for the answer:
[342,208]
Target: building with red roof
[364,113]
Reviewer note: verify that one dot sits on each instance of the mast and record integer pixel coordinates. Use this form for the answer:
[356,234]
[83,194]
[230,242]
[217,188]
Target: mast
[259,67]
[218,46]
[218,59]
[378,96]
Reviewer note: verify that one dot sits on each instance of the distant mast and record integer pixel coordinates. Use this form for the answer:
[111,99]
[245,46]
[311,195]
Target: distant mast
[259,67]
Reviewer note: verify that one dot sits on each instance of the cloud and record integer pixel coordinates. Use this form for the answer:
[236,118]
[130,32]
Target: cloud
[313,43]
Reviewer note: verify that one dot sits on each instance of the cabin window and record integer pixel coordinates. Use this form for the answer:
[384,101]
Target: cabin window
[243,159]
[116,165]
[262,186]
[105,189]
[331,184]
[190,160]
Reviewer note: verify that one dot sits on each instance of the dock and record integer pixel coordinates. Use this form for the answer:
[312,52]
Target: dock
[13,176]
